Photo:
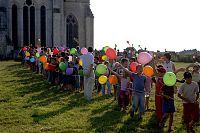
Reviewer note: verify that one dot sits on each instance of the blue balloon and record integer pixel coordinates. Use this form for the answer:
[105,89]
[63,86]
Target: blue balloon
[32,59]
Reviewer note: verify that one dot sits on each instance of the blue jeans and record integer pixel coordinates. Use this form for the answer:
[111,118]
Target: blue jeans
[138,102]
[104,86]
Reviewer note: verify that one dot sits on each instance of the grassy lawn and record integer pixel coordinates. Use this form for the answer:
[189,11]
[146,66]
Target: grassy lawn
[27,105]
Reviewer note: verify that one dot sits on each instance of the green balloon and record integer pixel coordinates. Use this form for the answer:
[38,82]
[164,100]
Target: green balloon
[73,51]
[97,74]
[37,55]
[62,66]
[169,79]
[101,69]
[105,48]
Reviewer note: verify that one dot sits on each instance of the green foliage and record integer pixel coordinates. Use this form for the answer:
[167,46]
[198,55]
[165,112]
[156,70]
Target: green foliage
[29,104]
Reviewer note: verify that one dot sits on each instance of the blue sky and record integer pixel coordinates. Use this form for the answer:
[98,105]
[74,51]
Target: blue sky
[156,24]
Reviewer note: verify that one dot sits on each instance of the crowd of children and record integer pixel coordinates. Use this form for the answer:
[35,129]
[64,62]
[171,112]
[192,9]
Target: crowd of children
[133,88]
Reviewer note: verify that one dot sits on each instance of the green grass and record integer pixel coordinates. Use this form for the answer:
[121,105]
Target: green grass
[27,105]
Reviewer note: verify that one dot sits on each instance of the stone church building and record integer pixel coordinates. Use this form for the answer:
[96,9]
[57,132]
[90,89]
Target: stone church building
[50,23]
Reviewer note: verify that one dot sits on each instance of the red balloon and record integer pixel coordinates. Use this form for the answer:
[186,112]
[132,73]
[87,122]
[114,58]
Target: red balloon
[24,48]
[111,54]
[133,66]
[55,51]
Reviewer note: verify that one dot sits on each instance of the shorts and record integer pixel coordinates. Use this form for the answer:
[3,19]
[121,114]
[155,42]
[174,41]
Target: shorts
[168,106]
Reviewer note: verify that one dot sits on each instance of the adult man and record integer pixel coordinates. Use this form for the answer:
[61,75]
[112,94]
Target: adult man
[89,76]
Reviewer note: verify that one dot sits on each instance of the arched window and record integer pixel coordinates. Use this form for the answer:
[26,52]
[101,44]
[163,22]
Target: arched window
[72,32]
[14,27]
[43,25]
[25,25]
[32,25]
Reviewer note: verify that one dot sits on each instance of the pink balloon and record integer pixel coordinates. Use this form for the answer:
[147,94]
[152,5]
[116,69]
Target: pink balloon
[84,51]
[144,58]
[111,54]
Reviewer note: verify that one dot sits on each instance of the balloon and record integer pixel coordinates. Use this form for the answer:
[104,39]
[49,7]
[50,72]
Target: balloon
[144,58]
[133,66]
[69,71]
[73,51]
[27,54]
[27,58]
[80,62]
[62,66]
[103,79]
[55,51]
[111,53]
[97,74]
[84,51]
[113,80]
[43,59]
[104,58]
[46,66]
[105,48]
[148,71]
[80,72]
[24,48]
[39,50]
[169,79]
[62,49]
[37,54]
[101,68]
[32,59]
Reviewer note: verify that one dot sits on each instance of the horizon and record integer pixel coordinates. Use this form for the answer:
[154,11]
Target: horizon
[156,24]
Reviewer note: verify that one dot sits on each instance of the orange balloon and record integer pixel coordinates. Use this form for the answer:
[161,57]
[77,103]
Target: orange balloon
[113,80]
[43,59]
[46,66]
[27,54]
[148,71]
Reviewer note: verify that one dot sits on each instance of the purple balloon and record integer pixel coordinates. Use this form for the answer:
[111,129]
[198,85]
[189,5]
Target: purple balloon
[62,49]
[39,50]
[69,71]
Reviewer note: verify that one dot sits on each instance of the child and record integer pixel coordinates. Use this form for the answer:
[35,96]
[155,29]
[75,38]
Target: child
[195,72]
[123,99]
[107,83]
[138,90]
[168,107]
[189,93]
[158,99]
[148,86]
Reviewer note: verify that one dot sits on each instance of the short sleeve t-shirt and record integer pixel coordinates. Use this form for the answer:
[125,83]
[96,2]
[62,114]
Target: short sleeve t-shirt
[139,83]
[87,59]
[189,91]
[168,66]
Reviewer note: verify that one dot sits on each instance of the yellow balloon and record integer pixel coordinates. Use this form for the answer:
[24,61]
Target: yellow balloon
[104,58]
[80,62]
[103,79]
[27,54]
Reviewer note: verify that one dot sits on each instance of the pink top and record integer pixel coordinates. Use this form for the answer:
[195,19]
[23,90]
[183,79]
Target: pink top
[148,84]
[124,84]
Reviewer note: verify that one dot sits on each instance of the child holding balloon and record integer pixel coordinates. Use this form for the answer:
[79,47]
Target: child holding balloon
[123,98]
[138,89]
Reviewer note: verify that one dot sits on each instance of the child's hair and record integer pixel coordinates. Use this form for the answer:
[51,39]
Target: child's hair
[168,56]
[187,75]
[106,63]
[124,60]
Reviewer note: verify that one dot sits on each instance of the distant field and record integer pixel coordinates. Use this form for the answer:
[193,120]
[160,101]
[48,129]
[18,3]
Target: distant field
[27,105]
